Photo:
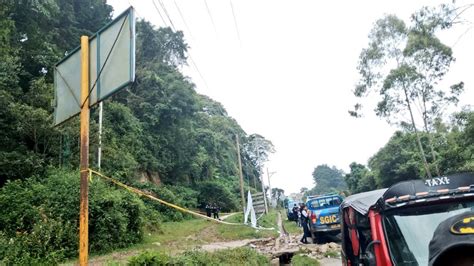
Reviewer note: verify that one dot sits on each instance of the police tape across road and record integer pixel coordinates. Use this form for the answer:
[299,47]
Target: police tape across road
[141,193]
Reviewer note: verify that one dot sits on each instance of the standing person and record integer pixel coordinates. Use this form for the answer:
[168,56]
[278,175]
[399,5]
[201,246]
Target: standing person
[295,212]
[298,218]
[215,211]
[304,224]
[208,210]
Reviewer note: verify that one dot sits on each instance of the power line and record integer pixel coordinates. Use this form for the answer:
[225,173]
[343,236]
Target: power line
[193,63]
[166,13]
[210,16]
[159,13]
[197,69]
[235,22]
[182,17]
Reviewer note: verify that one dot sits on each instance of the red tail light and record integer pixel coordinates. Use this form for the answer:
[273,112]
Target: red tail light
[313,217]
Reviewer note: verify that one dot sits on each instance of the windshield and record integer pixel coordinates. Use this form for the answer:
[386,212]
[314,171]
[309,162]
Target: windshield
[324,203]
[409,231]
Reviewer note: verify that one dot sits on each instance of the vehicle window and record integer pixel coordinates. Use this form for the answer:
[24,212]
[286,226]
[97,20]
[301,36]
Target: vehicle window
[324,203]
[314,204]
[409,231]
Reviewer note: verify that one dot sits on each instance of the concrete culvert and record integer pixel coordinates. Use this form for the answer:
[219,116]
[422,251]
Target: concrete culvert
[285,258]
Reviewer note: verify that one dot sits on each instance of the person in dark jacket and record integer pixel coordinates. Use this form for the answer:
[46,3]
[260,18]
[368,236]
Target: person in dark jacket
[304,224]
[215,211]
[208,210]
[295,211]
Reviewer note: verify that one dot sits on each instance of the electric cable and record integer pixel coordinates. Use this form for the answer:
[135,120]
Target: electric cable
[235,22]
[167,14]
[210,16]
[182,17]
[159,13]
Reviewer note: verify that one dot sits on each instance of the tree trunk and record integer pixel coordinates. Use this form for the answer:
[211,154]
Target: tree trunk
[420,147]
[433,154]
[430,137]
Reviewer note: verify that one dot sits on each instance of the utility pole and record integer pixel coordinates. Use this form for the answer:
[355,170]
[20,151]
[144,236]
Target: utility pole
[99,149]
[264,197]
[240,173]
[256,164]
[269,185]
[84,165]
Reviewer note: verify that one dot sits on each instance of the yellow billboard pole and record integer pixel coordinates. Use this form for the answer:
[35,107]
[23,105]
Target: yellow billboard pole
[84,166]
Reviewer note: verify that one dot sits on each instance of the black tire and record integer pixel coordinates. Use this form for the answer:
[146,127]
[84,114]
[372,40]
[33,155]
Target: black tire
[313,237]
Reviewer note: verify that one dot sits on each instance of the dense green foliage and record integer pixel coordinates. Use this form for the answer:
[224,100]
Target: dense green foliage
[403,65]
[39,218]
[237,256]
[159,135]
[399,160]
[327,180]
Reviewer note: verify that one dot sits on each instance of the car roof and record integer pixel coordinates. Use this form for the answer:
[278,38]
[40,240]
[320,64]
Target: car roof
[412,191]
[322,196]
[362,202]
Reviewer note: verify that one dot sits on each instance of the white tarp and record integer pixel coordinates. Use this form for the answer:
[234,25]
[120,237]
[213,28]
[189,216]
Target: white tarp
[251,211]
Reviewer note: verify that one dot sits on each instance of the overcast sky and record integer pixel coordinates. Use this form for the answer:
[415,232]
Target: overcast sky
[290,75]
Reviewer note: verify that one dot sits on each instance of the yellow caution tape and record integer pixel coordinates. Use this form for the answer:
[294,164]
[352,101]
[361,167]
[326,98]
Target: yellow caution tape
[141,193]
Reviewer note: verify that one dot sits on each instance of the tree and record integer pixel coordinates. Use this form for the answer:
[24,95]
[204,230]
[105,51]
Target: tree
[397,160]
[277,193]
[258,149]
[360,178]
[327,179]
[403,64]
[303,190]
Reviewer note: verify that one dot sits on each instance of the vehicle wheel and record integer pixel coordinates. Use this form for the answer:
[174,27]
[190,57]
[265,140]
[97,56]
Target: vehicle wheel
[320,238]
[314,238]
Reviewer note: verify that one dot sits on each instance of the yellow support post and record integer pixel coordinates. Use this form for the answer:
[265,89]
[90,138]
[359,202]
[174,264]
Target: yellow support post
[84,165]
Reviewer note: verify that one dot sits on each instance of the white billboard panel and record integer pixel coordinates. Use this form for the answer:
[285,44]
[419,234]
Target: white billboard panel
[111,57]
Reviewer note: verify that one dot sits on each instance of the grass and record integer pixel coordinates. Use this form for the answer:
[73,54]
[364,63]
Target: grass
[303,260]
[233,232]
[174,238]
[332,254]
[290,226]
[237,256]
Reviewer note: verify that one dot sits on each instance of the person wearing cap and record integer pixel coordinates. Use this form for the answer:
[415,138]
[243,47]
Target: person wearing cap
[453,241]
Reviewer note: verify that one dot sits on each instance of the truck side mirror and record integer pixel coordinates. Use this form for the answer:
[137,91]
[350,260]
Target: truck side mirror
[368,257]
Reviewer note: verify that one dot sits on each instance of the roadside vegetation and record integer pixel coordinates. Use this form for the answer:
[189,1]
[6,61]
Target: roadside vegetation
[404,67]
[164,138]
[290,226]
[238,256]
[303,260]
[159,135]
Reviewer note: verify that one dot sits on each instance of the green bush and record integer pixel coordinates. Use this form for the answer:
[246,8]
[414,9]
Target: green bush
[215,192]
[150,259]
[39,218]
[166,194]
[238,256]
